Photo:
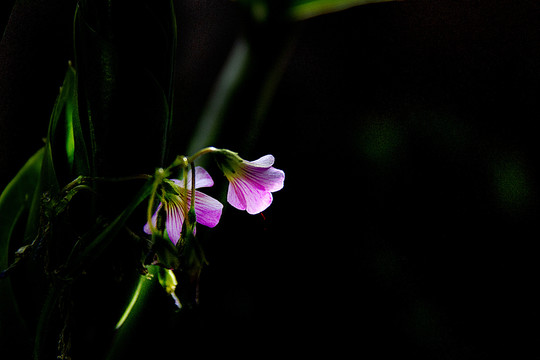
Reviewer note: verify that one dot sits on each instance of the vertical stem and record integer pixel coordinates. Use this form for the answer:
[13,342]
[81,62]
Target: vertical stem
[170,97]
[158,177]
[192,185]
[184,194]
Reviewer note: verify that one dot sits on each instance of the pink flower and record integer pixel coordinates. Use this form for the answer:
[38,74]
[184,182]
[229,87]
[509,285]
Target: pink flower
[176,200]
[251,183]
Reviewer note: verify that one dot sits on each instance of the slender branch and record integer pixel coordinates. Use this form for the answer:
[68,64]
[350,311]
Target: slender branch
[116,179]
[160,174]
[202,152]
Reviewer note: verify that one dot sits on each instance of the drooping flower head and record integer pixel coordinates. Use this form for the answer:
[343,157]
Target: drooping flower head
[251,183]
[176,201]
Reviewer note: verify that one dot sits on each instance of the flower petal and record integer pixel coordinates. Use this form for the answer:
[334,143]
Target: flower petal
[258,202]
[275,178]
[264,162]
[207,209]
[174,221]
[244,196]
[236,197]
[268,179]
[154,220]
[202,178]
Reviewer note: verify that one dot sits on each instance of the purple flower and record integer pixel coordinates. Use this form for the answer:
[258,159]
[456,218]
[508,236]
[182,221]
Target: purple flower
[176,200]
[251,183]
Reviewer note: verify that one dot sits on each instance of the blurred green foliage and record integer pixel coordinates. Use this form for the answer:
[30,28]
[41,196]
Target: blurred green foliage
[15,203]
[512,183]
[304,9]
[297,10]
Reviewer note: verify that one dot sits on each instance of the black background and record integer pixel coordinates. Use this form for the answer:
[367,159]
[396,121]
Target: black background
[408,221]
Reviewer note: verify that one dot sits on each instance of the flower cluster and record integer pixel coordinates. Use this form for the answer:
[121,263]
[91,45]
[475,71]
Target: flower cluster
[175,200]
[251,184]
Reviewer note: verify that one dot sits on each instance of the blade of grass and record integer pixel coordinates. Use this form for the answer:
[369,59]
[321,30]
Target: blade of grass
[14,201]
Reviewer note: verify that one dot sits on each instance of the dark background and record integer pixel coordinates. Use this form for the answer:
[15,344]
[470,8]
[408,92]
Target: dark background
[408,221]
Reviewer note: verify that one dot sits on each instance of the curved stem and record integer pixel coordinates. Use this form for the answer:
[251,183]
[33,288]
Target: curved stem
[116,179]
[180,161]
[160,174]
[198,154]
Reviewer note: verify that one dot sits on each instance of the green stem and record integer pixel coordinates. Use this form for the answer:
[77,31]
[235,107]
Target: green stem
[160,175]
[116,179]
[184,195]
[202,152]
[192,186]
[170,95]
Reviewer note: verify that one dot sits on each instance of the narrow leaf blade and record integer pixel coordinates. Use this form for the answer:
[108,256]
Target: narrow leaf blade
[305,9]
[14,200]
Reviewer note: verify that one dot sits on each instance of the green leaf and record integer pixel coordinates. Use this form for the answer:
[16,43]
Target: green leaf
[65,156]
[65,137]
[305,9]
[128,323]
[14,201]
[143,280]
[48,181]
[76,148]
[15,198]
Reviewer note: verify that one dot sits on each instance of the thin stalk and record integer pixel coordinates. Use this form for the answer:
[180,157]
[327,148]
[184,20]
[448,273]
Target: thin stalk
[202,152]
[170,95]
[192,186]
[158,178]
